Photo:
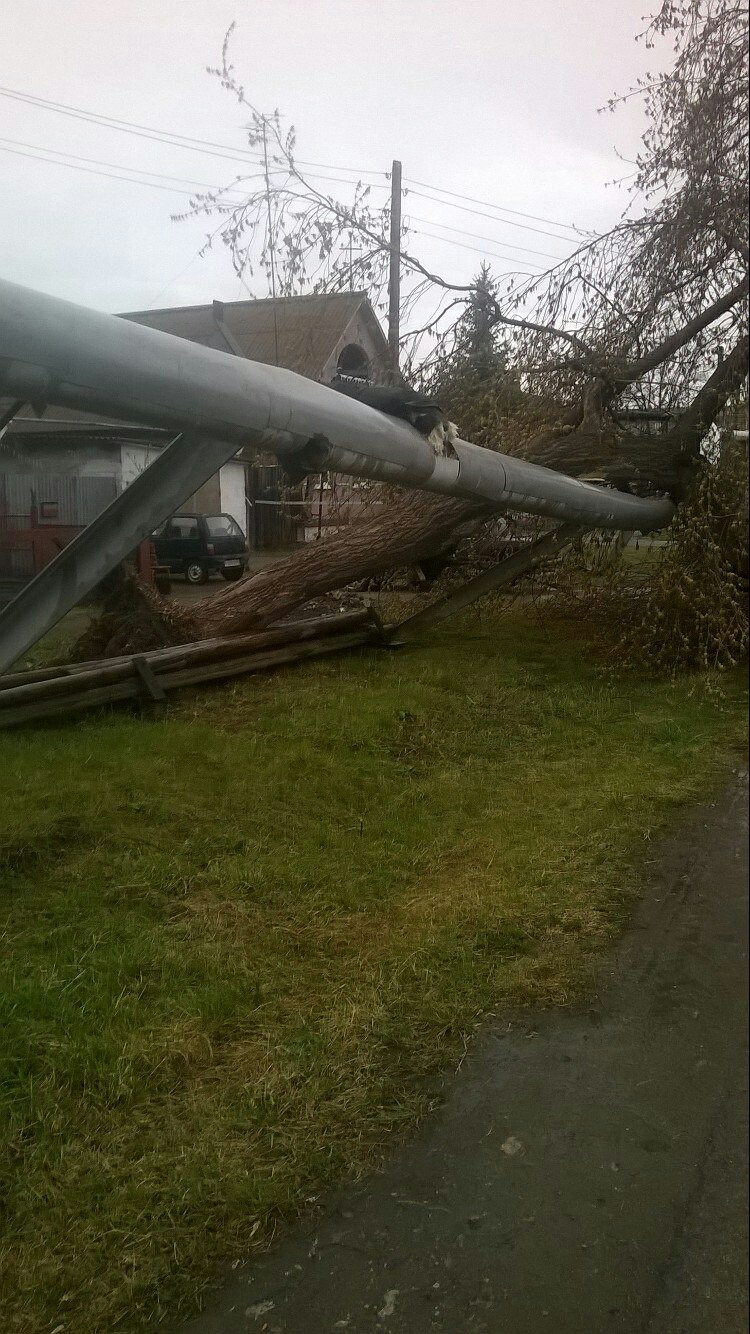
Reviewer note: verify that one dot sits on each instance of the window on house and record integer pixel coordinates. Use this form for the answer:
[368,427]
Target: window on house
[353,361]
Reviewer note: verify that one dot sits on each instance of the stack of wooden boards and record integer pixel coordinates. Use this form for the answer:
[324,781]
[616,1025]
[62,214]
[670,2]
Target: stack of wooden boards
[58,691]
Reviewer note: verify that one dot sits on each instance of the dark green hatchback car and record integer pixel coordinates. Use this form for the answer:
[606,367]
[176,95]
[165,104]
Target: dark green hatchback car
[198,545]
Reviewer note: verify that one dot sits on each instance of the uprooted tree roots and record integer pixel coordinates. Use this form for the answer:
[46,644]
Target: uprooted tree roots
[133,618]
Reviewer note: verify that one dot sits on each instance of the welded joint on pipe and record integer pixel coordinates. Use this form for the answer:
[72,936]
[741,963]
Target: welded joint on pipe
[445,475]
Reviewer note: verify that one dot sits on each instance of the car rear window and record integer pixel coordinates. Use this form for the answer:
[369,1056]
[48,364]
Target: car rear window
[183,526]
[223,525]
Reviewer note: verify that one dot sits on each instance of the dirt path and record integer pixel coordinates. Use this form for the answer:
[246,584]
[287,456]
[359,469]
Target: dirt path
[587,1171]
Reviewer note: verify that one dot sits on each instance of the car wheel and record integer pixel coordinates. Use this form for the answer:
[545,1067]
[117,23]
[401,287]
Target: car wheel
[195,573]
[232,576]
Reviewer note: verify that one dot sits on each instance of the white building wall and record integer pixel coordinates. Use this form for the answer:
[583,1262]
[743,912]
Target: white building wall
[232,485]
[228,496]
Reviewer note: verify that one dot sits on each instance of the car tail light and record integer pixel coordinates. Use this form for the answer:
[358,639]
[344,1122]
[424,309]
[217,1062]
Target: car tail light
[210,548]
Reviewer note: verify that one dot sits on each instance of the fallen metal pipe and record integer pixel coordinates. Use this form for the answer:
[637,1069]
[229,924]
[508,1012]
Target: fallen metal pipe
[55,353]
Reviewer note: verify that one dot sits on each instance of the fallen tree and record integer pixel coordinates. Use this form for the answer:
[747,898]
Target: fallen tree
[417,526]
[636,320]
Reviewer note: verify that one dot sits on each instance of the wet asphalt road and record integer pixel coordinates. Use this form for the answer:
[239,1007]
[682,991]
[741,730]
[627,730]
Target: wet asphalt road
[586,1172]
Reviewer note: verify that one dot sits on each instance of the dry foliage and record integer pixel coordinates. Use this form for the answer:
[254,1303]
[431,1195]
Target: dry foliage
[694,611]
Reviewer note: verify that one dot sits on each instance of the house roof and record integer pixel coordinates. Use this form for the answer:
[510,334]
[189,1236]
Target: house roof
[299,333]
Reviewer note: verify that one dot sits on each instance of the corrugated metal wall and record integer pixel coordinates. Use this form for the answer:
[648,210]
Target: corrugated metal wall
[78,499]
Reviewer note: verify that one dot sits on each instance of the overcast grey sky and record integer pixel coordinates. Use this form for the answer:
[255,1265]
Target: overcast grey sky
[495,99]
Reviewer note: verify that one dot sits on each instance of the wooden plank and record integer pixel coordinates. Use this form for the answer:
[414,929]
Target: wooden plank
[11,679]
[73,684]
[118,691]
[280,634]
[152,688]
[257,662]
[101,672]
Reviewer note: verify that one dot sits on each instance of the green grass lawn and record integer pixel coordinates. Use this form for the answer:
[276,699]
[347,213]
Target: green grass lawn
[238,943]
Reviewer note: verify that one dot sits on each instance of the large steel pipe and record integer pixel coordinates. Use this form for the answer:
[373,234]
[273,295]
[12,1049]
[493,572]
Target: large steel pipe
[55,353]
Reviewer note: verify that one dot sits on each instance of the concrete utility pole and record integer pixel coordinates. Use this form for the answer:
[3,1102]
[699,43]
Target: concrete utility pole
[394,277]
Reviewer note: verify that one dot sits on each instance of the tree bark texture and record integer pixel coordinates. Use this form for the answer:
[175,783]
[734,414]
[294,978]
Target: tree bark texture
[414,526]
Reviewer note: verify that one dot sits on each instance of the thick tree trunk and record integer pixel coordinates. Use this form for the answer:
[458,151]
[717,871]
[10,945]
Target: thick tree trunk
[415,525]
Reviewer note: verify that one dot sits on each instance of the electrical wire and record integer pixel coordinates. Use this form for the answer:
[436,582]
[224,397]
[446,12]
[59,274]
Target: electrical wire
[477,250]
[216,189]
[91,171]
[493,240]
[524,226]
[212,147]
[150,131]
[234,190]
[487,204]
[116,166]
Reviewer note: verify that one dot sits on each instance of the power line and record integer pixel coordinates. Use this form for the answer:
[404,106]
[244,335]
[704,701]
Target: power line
[151,132]
[211,147]
[93,118]
[494,240]
[477,250]
[39,151]
[91,171]
[182,180]
[316,176]
[487,204]
[524,226]
[171,189]
[216,189]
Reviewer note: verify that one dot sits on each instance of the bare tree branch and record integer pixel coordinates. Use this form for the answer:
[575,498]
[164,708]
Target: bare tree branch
[637,369]
[690,429]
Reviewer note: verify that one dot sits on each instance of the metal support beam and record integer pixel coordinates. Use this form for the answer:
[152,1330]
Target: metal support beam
[177,472]
[489,581]
[7,416]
